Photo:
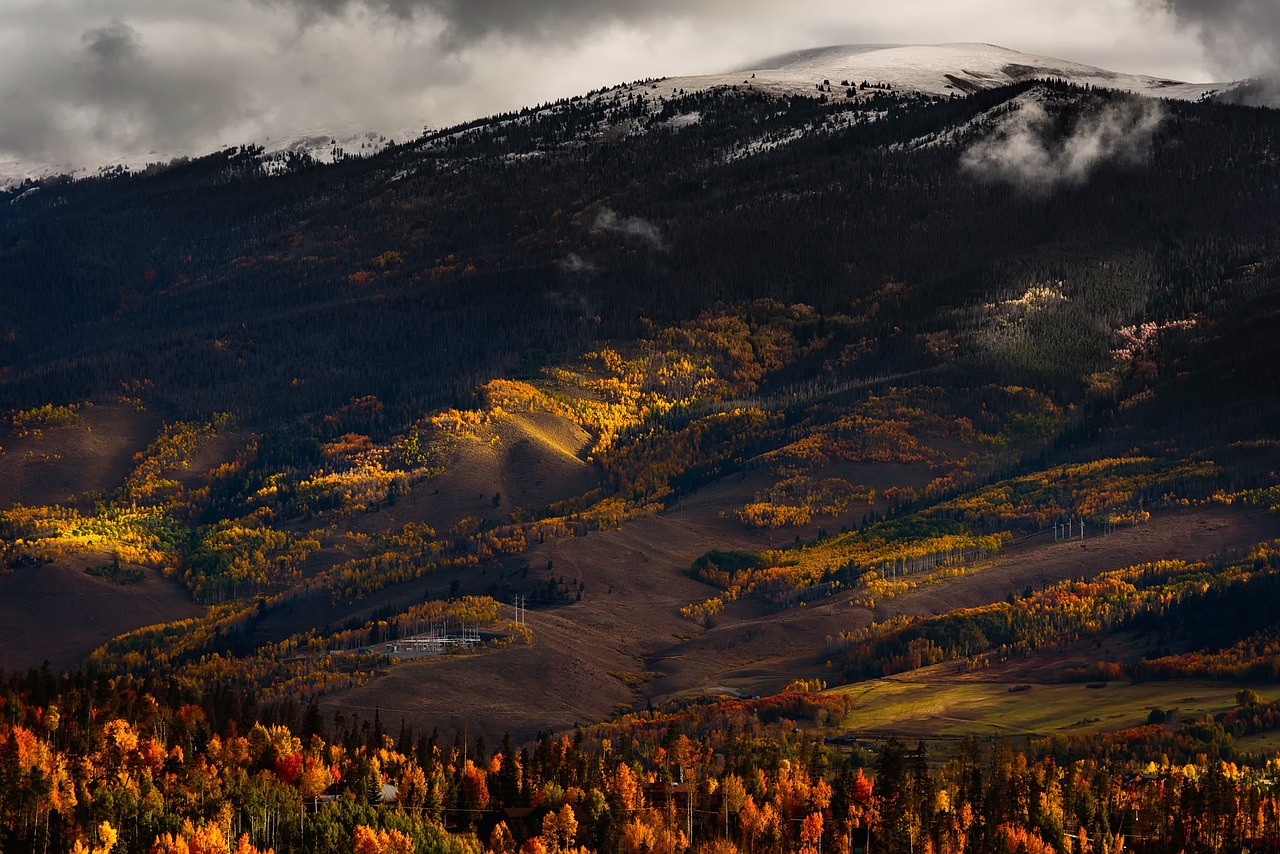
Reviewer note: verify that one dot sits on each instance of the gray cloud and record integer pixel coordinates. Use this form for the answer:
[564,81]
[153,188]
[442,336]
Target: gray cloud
[1261,91]
[1242,37]
[1023,150]
[109,92]
[631,226]
[466,21]
[575,263]
[114,45]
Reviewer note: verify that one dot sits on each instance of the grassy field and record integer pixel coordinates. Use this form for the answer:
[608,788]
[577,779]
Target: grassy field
[918,706]
[1266,742]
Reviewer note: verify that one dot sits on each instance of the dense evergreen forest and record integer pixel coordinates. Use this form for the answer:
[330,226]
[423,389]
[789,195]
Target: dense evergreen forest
[419,273]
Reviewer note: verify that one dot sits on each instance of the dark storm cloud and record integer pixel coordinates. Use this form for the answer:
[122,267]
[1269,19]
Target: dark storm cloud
[133,99]
[1241,36]
[468,20]
[108,92]
[113,45]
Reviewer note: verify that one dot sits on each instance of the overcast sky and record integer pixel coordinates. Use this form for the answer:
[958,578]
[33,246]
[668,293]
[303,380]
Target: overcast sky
[85,81]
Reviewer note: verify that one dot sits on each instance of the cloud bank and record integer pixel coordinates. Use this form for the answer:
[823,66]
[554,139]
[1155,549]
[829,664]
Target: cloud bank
[1028,152]
[1241,37]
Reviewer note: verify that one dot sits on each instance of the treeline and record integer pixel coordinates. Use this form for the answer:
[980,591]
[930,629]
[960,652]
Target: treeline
[144,765]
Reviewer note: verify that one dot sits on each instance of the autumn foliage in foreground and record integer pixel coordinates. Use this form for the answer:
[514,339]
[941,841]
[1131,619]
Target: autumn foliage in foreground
[110,766]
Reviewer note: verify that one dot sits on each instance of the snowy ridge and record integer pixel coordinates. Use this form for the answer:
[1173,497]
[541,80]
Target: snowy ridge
[945,69]
[327,141]
[837,72]
[324,144]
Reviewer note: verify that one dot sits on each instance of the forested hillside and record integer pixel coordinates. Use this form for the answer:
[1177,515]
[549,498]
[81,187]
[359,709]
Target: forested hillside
[699,449]
[419,273]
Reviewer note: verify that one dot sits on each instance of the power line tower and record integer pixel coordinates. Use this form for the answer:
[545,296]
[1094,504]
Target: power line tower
[522,609]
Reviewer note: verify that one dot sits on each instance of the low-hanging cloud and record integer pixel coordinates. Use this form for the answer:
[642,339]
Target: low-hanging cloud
[107,93]
[179,77]
[1026,151]
[631,226]
[1241,37]
[1261,91]
[114,45]
[575,263]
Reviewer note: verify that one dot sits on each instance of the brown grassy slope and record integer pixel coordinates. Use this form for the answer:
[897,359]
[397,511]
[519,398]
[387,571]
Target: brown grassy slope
[208,455]
[636,580]
[754,652]
[1186,534]
[627,625]
[528,459]
[59,613]
[62,464]
[941,702]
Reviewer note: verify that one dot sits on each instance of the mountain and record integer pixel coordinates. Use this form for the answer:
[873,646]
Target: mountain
[638,201]
[929,69]
[944,69]
[1260,91]
[683,431]
[947,69]
[322,143]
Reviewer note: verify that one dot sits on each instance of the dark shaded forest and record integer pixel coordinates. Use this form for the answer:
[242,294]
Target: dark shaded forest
[501,247]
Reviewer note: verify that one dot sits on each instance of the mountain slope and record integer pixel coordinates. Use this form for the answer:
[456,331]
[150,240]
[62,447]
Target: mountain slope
[945,69]
[216,286]
[706,376]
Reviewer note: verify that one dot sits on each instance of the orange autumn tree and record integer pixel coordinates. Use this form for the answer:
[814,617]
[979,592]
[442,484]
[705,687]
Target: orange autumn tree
[811,833]
[501,840]
[370,841]
[560,828]
[208,838]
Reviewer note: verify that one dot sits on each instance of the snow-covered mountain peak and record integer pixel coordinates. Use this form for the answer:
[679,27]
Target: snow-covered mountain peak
[961,68]
[850,73]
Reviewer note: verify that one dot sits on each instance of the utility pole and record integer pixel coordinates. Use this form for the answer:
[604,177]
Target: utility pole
[690,788]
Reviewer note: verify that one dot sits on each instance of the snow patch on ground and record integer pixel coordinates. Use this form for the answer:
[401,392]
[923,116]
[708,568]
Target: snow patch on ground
[760,145]
[685,120]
